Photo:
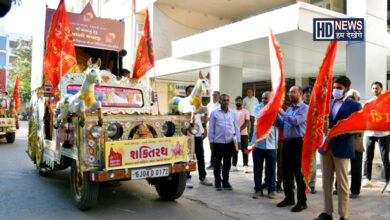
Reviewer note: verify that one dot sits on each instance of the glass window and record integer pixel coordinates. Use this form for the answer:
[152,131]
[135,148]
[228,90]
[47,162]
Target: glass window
[113,96]
[3,43]
[2,60]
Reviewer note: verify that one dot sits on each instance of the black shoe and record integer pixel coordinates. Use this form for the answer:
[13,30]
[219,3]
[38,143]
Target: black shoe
[313,190]
[218,186]
[227,186]
[299,207]
[279,188]
[343,218]
[353,196]
[324,216]
[285,203]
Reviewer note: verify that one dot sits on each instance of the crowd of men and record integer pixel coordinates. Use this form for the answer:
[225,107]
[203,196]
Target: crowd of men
[279,154]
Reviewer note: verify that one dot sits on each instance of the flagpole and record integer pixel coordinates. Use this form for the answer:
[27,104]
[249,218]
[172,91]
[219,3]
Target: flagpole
[155,88]
[61,75]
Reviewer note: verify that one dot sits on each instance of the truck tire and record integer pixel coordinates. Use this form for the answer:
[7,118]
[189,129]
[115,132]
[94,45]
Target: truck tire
[174,188]
[10,138]
[84,192]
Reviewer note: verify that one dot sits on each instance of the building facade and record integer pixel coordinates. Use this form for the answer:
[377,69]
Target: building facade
[9,43]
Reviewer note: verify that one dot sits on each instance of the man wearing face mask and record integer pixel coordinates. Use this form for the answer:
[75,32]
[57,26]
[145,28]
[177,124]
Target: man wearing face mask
[243,119]
[339,152]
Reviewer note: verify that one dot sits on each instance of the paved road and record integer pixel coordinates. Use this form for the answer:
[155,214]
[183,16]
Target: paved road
[26,195]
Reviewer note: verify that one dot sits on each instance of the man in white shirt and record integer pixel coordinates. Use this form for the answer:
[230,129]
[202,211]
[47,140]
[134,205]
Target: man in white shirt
[249,103]
[370,137]
[213,105]
[199,151]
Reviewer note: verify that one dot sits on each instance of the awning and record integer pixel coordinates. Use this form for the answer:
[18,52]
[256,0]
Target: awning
[244,45]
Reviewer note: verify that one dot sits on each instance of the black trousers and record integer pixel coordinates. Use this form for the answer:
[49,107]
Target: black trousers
[251,128]
[222,151]
[212,157]
[199,152]
[244,147]
[384,149]
[292,154]
[356,172]
[279,162]
[269,156]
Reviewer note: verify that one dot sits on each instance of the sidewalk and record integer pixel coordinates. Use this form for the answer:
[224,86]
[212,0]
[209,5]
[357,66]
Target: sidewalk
[239,203]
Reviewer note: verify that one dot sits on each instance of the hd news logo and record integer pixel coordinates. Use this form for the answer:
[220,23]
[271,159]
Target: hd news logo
[338,29]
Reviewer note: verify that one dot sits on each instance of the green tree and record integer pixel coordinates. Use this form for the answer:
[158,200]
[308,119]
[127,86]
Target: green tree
[21,66]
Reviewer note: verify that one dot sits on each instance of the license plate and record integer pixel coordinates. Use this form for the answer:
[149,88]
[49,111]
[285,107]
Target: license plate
[149,172]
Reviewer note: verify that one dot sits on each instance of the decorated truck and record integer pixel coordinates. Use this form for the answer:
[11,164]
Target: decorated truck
[116,138]
[8,120]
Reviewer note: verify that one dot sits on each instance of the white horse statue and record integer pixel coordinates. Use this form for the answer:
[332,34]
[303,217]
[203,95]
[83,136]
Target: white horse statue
[193,103]
[83,101]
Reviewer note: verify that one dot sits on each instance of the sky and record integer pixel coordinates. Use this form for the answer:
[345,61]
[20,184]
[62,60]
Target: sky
[25,18]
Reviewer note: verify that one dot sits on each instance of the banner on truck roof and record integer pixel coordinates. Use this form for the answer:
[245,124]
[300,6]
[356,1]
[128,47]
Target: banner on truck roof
[91,31]
[145,152]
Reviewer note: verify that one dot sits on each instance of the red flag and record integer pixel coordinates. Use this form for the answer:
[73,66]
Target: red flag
[16,94]
[374,116]
[144,59]
[318,109]
[59,40]
[268,114]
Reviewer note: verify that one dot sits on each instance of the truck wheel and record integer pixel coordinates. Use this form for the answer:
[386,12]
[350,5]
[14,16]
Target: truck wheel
[84,192]
[174,188]
[10,138]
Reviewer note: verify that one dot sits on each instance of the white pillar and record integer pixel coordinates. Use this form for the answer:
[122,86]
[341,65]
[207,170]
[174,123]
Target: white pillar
[298,81]
[367,61]
[227,80]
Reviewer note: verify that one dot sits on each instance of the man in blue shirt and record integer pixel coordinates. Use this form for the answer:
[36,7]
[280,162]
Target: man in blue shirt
[294,121]
[265,149]
[223,129]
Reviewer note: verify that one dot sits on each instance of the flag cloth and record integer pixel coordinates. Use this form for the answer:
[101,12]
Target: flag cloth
[375,116]
[59,40]
[144,59]
[268,114]
[318,108]
[16,94]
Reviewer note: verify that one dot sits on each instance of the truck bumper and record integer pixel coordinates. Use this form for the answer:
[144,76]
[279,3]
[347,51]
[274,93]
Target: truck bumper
[125,174]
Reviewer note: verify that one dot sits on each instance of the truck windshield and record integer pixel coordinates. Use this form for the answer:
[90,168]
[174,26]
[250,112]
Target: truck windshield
[113,96]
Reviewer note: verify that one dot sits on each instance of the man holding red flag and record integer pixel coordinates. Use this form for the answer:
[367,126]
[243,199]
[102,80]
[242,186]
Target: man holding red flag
[370,137]
[144,59]
[294,124]
[60,54]
[336,158]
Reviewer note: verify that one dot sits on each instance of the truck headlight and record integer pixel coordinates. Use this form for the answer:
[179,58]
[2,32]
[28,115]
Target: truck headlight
[114,131]
[195,129]
[168,129]
[9,129]
[96,131]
